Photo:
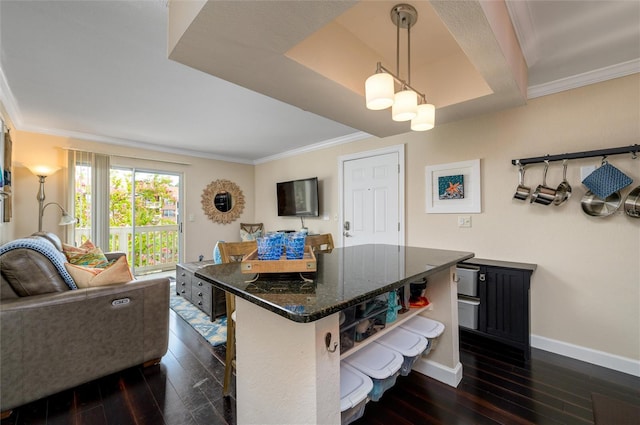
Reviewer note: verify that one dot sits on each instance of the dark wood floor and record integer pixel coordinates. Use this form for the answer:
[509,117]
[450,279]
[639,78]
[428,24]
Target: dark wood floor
[497,388]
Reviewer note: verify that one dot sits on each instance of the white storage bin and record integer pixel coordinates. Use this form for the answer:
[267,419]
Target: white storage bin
[468,313]
[467,280]
[428,328]
[354,388]
[379,363]
[410,345]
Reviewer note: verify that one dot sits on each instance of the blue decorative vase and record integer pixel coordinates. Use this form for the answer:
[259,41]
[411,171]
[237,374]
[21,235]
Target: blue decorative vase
[217,258]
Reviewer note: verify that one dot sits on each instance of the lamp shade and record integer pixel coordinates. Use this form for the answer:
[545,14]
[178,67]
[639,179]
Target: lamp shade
[42,170]
[379,91]
[405,105]
[425,119]
[66,219]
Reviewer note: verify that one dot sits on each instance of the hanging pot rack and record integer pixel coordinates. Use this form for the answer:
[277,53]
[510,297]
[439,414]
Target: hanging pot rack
[632,149]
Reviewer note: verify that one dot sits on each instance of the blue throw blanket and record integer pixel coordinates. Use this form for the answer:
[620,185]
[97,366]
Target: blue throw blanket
[45,248]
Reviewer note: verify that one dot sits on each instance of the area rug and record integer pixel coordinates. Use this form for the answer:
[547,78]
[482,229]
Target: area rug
[215,332]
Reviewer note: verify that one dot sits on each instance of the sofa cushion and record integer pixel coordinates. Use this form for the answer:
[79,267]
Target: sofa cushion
[33,266]
[30,273]
[87,255]
[87,277]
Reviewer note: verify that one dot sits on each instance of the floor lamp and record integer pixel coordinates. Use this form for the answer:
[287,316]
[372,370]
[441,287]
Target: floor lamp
[43,171]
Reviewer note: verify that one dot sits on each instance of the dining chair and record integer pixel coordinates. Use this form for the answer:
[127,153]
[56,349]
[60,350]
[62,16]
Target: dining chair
[232,252]
[320,243]
[251,231]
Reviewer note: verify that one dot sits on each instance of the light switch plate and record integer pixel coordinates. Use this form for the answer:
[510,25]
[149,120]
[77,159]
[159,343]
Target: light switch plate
[464,221]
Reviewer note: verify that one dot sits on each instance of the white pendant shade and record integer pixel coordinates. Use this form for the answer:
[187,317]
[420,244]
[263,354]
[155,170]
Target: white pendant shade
[425,120]
[380,87]
[379,91]
[405,106]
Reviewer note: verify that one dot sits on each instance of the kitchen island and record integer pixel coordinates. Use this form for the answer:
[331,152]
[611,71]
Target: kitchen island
[285,371]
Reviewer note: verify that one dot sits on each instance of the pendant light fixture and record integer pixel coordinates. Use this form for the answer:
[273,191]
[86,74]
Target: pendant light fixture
[407,103]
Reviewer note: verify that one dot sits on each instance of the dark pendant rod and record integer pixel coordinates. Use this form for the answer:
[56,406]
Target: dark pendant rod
[632,149]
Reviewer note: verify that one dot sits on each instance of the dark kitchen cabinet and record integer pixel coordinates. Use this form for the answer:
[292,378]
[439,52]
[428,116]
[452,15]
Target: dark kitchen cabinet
[503,291]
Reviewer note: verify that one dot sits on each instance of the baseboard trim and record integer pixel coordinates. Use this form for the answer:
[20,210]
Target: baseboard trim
[439,372]
[600,358]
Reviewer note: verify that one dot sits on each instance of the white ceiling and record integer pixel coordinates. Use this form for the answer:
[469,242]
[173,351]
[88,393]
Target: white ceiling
[99,70]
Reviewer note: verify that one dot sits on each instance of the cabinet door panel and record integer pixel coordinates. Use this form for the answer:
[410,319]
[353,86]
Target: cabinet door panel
[506,306]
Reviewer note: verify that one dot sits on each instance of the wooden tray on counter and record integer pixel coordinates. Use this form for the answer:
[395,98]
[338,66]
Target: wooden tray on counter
[251,264]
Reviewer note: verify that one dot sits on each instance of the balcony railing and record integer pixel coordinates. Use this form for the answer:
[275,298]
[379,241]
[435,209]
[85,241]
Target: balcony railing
[155,248]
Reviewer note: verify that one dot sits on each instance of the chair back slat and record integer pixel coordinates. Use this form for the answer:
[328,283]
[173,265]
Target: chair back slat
[235,251]
[320,243]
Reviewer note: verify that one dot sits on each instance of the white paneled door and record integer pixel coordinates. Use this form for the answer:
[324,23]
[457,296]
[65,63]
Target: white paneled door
[372,199]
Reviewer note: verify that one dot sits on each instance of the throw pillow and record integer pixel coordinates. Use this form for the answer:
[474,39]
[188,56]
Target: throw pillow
[86,254]
[88,277]
[246,236]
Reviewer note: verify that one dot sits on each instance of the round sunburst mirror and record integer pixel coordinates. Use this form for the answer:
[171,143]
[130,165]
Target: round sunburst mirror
[222,201]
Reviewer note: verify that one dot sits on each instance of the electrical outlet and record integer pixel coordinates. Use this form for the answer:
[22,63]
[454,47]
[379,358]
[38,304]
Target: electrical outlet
[464,221]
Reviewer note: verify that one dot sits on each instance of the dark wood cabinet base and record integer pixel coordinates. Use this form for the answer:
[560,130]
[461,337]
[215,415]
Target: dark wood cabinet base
[200,292]
[504,312]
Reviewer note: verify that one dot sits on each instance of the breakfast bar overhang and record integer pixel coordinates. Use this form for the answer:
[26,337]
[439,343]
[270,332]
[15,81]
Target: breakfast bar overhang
[285,373]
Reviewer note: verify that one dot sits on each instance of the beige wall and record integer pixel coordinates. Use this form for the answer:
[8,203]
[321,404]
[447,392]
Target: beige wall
[586,290]
[200,234]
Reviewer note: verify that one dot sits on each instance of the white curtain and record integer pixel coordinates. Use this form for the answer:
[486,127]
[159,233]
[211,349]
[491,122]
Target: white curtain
[89,196]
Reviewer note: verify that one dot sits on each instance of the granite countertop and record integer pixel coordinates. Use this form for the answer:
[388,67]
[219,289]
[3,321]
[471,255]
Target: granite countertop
[344,277]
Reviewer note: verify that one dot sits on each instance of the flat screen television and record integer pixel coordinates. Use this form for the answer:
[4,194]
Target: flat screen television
[298,198]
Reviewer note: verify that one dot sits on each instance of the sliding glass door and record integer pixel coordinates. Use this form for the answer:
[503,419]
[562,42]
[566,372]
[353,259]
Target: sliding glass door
[145,218]
[125,209]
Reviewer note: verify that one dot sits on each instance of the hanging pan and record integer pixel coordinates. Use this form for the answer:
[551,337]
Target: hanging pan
[598,207]
[632,203]
[563,192]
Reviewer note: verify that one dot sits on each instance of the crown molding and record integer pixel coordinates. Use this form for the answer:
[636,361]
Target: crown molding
[358,135]
[584,79]
[9,101]
[522,20]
